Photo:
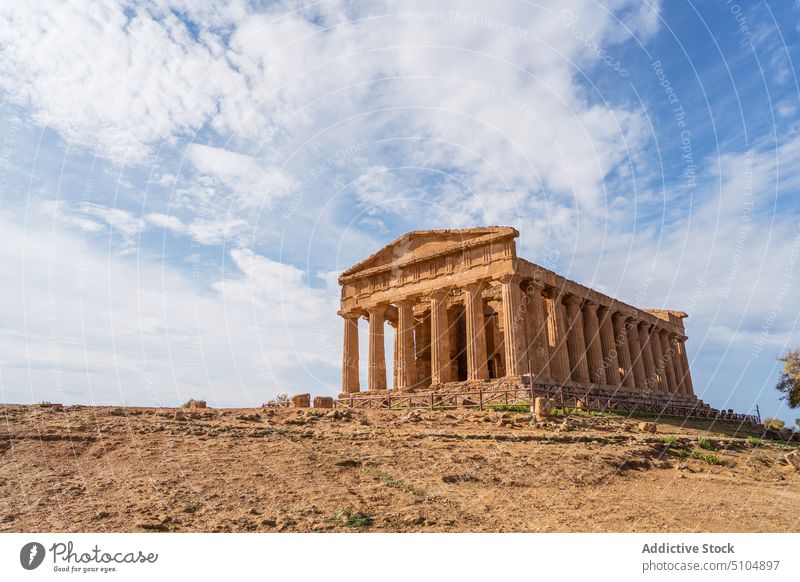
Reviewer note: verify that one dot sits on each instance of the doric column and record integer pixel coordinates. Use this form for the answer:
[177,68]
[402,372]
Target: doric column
[513,325]
[576,343]
[396,348]
[377,357]
[667,352]
[350,355]
[556,335]
[440,339]
[594,349]
[658,359]
[406,366]
[677,364]
[477,368]
[682,376]
[422,344]
[687,373]
[623,349]
[538,351]
[651,382]
[632,325]
[610,356]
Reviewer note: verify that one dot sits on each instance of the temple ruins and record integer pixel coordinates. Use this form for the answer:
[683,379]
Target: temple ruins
[468,313]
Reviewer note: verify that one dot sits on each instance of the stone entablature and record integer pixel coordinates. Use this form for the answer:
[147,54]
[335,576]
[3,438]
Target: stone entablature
[464,307]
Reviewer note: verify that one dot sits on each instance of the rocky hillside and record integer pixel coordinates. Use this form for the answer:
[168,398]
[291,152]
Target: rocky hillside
[132,469]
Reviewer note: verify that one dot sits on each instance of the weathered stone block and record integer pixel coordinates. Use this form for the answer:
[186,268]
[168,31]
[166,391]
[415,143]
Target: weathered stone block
[794,459]
[301,401]
[542,408]
[323,402]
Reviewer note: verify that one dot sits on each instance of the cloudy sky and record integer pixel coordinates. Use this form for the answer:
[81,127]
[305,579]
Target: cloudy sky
[181,181]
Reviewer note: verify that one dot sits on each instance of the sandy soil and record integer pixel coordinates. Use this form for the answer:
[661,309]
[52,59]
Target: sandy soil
[105,469]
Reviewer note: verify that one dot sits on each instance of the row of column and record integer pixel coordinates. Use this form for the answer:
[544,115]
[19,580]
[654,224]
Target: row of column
[591,343]
[405,369]
[555,336]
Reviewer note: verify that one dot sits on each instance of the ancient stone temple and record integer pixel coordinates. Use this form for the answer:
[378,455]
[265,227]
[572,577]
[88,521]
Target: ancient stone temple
[467,311]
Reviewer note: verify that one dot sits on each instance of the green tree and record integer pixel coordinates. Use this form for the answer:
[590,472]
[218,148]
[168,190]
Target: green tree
[789,382]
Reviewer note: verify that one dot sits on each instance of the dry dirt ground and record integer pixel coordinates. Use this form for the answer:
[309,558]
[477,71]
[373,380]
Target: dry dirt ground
[136,469]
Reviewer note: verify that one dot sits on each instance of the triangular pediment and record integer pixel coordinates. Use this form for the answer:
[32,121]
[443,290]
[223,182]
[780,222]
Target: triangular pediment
[419,244]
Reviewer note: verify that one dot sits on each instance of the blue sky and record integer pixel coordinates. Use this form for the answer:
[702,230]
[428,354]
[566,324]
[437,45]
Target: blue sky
[181,181]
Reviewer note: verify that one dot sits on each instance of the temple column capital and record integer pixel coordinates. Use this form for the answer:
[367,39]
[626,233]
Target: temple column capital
[377,310]
[509,278]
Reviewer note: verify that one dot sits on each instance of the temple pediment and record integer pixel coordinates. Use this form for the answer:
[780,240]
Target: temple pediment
[423,244]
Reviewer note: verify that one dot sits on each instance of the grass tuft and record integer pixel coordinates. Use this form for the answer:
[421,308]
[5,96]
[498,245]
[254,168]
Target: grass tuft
[351,518]
[756,442]
[398,483]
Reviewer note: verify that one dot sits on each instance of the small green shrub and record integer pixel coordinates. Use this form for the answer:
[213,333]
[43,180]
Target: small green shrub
[669,440]
[756,442]
[708,458]
[704,443]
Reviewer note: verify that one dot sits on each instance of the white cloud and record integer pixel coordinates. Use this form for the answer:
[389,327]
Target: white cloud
[252,185]
[166,221]
[76,326]
[117,83]
[123,221]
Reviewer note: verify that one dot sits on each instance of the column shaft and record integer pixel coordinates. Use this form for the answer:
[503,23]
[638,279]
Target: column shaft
[440,340]
[377,357]
[350,382]
[477,368]
[658,359]
[667,352]
[610,356]
[396,352]
[406,365]
[636,354]
[677,365]
[623,350]
[556,336]
[576,343]
[681,365]
[513,326]
[687,373]
[651,382]
[537,331]
[594,349]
